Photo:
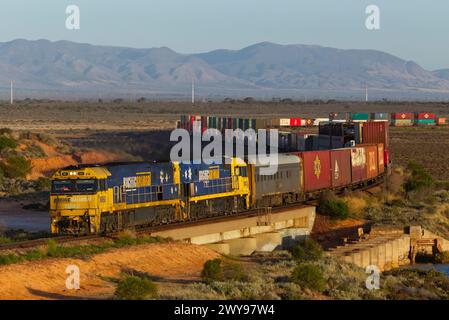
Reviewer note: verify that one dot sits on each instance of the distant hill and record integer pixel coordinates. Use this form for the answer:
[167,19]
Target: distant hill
[442,73]
[76,67]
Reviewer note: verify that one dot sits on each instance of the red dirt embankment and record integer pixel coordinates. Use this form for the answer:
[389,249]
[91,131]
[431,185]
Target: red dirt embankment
[46,279]
[44,166]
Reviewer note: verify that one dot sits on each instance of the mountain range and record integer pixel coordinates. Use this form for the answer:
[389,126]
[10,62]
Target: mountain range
[65,66]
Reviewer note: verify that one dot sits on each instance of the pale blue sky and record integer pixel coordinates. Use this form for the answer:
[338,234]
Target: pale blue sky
[415,30]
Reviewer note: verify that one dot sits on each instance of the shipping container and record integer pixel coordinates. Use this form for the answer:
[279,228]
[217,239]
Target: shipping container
[372,161]
[261,124]
[402,123]
[358,164]
[359,116]
[316,170]
[402,116]
[375,132]
[326,142]
[381,157]
[340,167]
[317,121]
[295,122]
[308,122]
[425,122]
[380,116]
[284,122]
[424,115]
[340,116]
[441,121]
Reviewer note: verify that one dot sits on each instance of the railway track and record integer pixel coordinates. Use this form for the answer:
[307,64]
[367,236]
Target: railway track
[177,225]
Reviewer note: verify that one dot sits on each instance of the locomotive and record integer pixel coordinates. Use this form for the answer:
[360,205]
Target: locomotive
[89,199]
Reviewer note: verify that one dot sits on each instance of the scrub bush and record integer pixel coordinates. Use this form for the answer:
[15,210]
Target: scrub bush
[334,208]
[307,250]
[309,276]
[136,288]
[419,178]
[212,270]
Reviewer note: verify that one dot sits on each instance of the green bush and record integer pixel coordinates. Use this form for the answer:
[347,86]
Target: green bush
[234,272]
[419,178]
[307,250]
[136,288]
[43,184]
[6,142]
[15,167]
[309,276]
[212,271]
[334,208]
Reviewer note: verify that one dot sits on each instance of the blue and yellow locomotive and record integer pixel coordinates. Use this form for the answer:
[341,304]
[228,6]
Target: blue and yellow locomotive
[105,198]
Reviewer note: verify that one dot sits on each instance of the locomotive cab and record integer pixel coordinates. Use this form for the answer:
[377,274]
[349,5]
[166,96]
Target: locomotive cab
[78,196]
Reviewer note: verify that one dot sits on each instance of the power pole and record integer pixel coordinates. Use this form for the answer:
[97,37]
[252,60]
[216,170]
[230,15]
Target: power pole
[366,94]
[12,92]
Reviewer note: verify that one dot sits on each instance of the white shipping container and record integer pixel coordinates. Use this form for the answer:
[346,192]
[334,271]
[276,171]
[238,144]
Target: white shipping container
[317,121]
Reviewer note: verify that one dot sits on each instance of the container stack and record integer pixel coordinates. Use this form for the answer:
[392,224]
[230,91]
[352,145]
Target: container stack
[425,119]
[402,119]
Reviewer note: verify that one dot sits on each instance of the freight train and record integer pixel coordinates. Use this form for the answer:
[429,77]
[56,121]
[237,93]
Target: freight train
[89,199]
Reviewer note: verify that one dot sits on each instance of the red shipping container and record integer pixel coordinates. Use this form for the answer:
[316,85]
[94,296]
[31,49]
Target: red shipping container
[358,164]
[375,132]
[402,116]
[425,115]
[316,170]
[341,167]
[380,157]
[295,122]
[372,162]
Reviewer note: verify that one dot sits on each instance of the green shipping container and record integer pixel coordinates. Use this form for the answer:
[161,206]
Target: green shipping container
[426,122]
[360,116]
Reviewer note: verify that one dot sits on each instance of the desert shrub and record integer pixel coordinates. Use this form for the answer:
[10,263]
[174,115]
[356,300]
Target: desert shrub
[6,142]
[307,250]
[136,288]
[234,272]
[356,204]
[419,178]
[16,167]
[43,184]
[309,276]
[334,208]
[212,270]
[10,258]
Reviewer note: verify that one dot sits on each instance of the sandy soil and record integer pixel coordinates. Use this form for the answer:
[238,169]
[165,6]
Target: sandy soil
[45,279]
[325,224]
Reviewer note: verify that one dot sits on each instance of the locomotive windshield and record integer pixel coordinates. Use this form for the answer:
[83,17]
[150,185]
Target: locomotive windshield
[74,186]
